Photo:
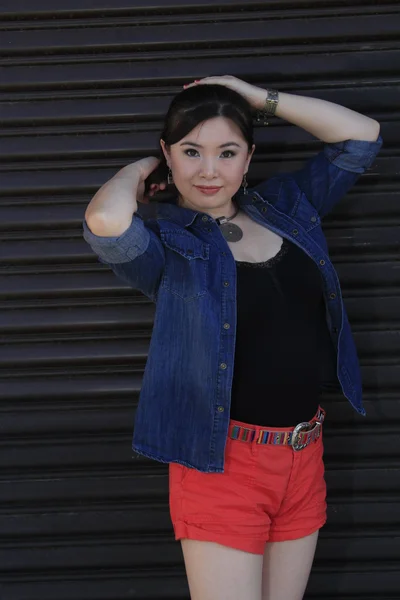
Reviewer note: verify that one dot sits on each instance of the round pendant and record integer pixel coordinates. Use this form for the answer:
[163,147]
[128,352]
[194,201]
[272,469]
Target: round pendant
[231,232]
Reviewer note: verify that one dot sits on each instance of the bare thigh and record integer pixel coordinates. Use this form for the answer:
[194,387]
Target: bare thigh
[287,567]
[217,572]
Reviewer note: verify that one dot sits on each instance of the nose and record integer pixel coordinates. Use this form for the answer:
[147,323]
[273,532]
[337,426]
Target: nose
[208,168]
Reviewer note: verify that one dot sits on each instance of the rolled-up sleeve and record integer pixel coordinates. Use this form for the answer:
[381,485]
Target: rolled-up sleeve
[136,256]
[129,245]
[327,177]
[353,155]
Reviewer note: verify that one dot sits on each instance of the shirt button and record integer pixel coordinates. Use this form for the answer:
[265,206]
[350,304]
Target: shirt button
[223,366]
[226,283]
[313,219]
[221,409]
[295,232]
[322,262]
[205,219]
[226,326]
[223,253]
[264,209]
[332,296]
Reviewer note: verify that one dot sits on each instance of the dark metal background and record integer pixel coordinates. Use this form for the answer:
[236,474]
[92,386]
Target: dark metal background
[83,91]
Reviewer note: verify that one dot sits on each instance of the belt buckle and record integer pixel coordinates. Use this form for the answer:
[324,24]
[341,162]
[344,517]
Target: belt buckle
[305,426]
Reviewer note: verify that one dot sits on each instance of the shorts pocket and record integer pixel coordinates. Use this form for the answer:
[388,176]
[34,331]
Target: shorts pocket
[178,473]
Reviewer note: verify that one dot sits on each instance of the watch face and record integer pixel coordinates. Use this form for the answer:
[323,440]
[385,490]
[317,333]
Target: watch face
[271,102]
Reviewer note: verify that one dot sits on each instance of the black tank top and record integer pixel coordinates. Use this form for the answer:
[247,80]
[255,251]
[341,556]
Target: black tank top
[281,331]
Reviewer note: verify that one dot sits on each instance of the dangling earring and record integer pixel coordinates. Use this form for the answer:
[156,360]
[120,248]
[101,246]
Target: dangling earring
[245,184]
[170,179]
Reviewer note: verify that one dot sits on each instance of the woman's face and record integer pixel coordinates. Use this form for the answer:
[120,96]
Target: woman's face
[213,154]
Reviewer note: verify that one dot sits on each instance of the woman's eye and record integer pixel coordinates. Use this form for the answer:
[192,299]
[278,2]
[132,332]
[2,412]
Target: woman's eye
[225,152]
[190,150]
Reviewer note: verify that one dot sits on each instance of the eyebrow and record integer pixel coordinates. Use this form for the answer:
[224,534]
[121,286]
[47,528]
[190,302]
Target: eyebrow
[199,146]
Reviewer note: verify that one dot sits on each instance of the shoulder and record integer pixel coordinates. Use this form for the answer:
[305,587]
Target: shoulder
[282,191]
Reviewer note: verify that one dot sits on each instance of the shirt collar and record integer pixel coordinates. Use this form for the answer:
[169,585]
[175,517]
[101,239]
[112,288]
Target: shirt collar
[186,216]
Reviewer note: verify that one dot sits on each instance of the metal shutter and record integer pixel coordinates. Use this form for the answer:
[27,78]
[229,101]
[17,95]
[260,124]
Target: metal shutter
[84,87]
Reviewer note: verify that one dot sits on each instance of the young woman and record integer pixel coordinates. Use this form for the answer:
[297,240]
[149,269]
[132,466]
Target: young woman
[249,326]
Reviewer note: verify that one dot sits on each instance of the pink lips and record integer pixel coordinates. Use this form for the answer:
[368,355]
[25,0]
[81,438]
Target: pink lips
[209,191]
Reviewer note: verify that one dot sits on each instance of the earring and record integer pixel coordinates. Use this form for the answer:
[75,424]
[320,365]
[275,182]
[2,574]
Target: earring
[170,179]
[245,184]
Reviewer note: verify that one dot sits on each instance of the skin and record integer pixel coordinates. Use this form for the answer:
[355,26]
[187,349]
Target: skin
[209,165]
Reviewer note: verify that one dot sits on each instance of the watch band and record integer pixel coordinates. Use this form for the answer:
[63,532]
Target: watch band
[271,102]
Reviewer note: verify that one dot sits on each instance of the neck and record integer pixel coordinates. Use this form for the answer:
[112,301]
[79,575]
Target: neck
[227,210]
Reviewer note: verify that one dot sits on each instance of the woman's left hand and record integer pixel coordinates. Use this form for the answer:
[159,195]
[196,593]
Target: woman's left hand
[255,96]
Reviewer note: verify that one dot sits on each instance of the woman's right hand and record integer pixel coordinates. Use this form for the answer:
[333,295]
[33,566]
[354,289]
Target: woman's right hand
[145,167]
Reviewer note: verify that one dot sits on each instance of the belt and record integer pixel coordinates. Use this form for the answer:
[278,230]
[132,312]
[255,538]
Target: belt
[298,437]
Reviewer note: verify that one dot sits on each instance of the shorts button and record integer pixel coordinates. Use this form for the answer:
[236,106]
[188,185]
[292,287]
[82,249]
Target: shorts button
[313,219]
[221,409]
[332,296]
[223,366]
[226,326]
[226,283]
[322,262]
[205,219]
[295,231]
[264,209]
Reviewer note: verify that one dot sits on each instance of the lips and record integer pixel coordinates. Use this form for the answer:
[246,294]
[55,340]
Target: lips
[208,191]
[208,188]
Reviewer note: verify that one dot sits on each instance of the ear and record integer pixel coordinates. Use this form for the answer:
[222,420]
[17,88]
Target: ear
[165,152]
[250,156]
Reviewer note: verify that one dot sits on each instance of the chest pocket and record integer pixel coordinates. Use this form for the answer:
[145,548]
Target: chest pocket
[306,215]
[186,265]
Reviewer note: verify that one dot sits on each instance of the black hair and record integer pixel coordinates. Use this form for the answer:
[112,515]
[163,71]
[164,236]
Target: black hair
[197,104]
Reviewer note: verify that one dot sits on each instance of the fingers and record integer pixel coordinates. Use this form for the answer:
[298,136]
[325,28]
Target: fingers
[222,79]
[155,187]
[197,81]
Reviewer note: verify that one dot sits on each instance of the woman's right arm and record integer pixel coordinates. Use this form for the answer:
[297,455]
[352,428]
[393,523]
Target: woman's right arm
[110,211]
[118,235]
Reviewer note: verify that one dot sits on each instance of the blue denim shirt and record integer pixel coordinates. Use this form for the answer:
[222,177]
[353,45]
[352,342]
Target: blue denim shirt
[181,261]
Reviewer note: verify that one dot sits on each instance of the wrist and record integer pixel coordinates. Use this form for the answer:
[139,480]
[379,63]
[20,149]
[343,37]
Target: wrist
[269,106]
[130,172]
[260,98]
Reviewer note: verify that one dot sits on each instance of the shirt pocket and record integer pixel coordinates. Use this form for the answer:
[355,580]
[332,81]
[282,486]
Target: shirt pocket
[306,215]
[186,271]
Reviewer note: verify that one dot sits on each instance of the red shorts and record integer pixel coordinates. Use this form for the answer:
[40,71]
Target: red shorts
[266,493]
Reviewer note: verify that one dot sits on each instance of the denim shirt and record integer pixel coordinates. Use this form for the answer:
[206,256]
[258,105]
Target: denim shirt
[181,261]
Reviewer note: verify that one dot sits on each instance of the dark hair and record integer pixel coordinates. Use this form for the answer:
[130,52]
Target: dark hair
[197,104]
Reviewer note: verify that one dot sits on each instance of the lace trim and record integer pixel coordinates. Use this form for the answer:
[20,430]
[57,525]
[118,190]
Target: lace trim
[267,263]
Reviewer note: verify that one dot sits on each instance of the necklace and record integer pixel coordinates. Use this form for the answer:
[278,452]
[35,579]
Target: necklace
[230,231]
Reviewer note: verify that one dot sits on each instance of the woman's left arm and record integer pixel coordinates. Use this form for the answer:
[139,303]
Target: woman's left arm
[325,120]
[351,141]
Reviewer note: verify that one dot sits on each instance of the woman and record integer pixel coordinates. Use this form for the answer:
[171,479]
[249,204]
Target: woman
[249,323]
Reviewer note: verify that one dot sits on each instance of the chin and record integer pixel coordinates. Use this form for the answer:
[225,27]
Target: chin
[209,201]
